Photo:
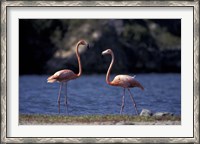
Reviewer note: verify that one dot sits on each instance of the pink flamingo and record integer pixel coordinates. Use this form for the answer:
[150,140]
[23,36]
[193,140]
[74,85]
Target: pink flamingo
[63,76]
[124,81]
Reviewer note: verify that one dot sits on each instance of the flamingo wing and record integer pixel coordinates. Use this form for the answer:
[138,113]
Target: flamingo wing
[61,76]
[126,81]
[134,83]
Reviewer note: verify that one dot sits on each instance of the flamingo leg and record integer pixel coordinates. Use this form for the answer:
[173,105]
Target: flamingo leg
[59,97]
[122,107]
[131,96]
[66,99]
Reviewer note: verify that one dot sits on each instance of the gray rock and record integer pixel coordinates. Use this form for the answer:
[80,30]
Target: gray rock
[120,123]
[145,112]
[163,114]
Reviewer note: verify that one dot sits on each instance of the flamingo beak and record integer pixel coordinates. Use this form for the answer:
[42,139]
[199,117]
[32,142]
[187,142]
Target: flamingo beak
[104,52]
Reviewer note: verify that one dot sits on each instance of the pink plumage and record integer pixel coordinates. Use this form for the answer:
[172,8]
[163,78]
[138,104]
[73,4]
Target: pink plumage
[63,76]
[124,81]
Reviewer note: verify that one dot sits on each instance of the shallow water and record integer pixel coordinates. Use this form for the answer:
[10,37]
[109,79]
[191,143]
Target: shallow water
[90,94]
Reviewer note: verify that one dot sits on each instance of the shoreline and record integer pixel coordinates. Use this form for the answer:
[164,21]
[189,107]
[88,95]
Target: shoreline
[108,123]
[34,119]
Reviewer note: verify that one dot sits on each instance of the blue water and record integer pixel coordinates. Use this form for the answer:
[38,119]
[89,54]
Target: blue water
[90,94]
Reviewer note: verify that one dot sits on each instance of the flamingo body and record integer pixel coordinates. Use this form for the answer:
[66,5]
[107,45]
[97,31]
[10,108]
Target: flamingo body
[126,81]
[62,76]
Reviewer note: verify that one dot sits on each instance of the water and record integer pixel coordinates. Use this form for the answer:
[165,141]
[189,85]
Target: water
[90,95]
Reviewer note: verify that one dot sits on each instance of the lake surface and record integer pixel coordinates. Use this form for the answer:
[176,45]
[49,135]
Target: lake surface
[90,95]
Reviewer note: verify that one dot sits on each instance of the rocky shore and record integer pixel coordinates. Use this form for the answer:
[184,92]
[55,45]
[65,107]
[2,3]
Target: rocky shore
[146,112]
[105,123]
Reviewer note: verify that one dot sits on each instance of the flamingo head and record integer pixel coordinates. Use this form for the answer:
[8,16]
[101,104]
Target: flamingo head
[108,51]
[83,42]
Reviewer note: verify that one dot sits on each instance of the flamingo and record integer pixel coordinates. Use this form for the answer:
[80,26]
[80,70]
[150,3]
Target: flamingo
[124,81]
[63,76]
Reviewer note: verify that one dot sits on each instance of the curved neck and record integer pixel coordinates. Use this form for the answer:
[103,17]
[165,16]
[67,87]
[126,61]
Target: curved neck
[109,69]
[79,61]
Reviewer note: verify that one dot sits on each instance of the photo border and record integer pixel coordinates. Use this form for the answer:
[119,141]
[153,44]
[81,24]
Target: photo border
[29,3]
